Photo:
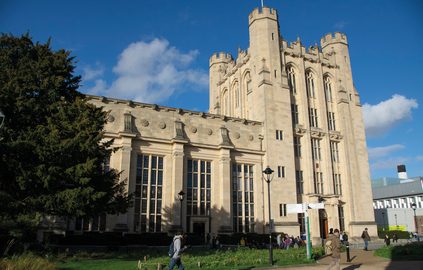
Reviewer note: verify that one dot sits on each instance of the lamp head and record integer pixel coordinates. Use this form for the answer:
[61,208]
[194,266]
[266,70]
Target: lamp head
[181,195]
[414,206]
[268,171]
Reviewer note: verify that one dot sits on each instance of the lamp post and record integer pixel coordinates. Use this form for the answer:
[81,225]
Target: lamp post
[268,178]
[414,206]
[181,199]
[383,220]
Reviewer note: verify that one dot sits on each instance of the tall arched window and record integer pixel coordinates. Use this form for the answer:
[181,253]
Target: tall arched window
[225,102]
[247,80]
[328,88]
[310,85]
[291,79]
[235,88]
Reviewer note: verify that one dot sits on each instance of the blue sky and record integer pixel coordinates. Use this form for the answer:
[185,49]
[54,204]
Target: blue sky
[124,48]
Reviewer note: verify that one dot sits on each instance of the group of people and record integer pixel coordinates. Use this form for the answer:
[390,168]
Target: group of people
[387,239]
[286,241]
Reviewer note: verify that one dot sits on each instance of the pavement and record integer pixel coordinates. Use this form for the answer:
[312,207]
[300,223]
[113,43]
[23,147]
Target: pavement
[360,259]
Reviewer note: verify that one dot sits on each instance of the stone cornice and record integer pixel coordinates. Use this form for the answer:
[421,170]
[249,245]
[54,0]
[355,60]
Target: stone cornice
[156,107]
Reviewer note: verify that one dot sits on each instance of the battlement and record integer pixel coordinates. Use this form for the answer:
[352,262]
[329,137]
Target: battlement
[264,12]
[220,57]
[331,39]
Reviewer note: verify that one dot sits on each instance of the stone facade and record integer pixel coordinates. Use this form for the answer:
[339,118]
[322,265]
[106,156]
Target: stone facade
[304,121]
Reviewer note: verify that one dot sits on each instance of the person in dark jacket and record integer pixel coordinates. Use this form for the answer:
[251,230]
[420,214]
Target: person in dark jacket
[387,240]
[366,238]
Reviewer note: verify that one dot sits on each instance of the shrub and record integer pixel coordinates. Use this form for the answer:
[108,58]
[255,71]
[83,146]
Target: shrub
[400,234]
[26,262]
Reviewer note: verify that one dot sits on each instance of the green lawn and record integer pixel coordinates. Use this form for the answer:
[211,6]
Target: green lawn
[192,259]
[412,251]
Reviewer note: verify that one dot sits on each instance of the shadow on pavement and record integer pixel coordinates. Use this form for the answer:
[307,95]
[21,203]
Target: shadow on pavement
[352,267]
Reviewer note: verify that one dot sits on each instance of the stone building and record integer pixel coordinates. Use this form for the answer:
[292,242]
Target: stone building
[277,104]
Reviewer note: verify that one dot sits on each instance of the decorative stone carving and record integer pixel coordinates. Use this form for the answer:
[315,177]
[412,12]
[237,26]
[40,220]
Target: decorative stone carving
[209,131]
[237,135]
[144,123]
[193,129]
[225,137]
[335,135]
[110,118]
[179,130]
[251,137]
[317,132]
[162,125]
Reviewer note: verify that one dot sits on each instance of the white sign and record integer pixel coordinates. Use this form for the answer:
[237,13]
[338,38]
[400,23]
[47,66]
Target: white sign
[294,208]
[316,206]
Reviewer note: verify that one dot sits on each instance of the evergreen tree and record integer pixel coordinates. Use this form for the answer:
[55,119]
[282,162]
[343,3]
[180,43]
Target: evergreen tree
[52,150]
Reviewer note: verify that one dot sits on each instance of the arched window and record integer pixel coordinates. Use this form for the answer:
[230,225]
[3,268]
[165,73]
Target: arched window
[310,85]
[328,88]
[247,80]
[225,102]
[235,88]
[291,79]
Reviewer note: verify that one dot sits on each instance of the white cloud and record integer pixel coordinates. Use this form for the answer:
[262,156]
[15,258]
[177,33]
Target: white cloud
[99,85]
[378,152]
[152,72]
[383,116]
[419,158]
[91,73]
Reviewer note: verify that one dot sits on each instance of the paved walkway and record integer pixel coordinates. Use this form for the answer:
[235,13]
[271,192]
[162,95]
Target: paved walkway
[362,260]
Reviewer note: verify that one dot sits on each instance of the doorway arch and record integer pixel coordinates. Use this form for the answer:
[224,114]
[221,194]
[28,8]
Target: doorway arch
[323,223]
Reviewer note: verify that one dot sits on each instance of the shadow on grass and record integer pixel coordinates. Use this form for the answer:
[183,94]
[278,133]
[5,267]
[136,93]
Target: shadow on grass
[408,252]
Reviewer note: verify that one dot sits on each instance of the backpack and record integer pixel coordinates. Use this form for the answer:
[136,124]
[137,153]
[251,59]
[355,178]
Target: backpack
[171,249]
[328,247]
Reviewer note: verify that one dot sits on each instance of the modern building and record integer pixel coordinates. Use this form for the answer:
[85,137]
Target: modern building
[276,104]
[398,202]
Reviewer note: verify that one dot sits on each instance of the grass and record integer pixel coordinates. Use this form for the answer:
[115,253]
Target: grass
[412,251]
[26,262]
[192,259]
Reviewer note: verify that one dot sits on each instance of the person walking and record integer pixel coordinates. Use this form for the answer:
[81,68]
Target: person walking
[387,240]
[395,238]
[366,238]
[336,250]
[178,249]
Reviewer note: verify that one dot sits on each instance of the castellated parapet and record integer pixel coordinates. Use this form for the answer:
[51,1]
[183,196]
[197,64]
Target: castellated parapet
[262,13]
[220,57]
[331,39]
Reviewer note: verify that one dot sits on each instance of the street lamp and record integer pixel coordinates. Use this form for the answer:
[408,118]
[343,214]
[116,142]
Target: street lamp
[396,221]
[2,117]
[181,198]
[414,206]
[383,220]
[268,178]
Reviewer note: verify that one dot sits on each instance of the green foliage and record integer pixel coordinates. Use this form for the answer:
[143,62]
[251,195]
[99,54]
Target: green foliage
[412,251]
[242,258]
[51,147]
[400,234]
[26,262]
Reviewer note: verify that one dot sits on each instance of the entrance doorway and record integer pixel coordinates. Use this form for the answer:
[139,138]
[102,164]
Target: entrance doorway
[199,228]
[323,223]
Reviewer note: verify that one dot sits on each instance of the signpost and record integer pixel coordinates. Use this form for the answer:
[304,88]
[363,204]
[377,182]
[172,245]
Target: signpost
[303,208]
